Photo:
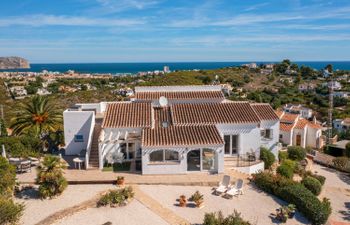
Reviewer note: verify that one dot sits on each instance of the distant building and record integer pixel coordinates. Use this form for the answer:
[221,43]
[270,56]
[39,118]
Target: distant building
[269,66]
[326,73]
[336,85]
[341,94]
[18,91]
[250,65]
[298,131]
[306,87]
[298,109]
[342,124]
[43,91]
[166,69]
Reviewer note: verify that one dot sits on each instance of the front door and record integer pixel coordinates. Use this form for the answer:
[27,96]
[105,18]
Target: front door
[298,139]
[234,143]
[231,144]
[194,160]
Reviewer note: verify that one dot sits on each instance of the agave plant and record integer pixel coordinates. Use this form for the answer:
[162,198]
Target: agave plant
[50,177]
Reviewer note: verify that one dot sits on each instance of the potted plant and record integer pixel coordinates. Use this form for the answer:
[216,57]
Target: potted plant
[197,198]
[120,180]
[182,201]
[291,210]
[282,214]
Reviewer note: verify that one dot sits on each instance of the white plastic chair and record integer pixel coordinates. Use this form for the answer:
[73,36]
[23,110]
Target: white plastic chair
[223,185]
[236,190]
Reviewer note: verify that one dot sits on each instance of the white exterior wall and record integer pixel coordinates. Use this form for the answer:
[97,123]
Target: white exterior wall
[251,169]
[248,136]
[312,136]
[303,133]
[287,137]
[77,122]
[181,166]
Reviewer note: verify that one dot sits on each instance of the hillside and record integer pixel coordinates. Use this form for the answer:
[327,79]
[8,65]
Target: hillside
[13,63]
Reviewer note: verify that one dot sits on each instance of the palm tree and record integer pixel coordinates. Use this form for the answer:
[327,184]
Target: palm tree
[50,177]
[38,115]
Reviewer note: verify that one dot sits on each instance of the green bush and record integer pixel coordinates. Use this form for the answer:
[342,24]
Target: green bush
[116,197]
[296,153]
[320,178]
[282,155]
[312,184]
[342,163]
[219,219]
[267,156]
[271,183]
[22,146]
[10,212]
[7,178]
[286,169]
[50,177]
[307,203]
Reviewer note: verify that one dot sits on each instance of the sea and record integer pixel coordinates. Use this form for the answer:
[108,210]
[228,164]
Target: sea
[133,68]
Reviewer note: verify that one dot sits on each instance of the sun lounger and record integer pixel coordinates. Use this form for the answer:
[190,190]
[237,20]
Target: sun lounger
[223,185]
[235,190]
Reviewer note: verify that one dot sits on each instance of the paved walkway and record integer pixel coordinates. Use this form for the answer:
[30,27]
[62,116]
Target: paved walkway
[165,213]
[99,177]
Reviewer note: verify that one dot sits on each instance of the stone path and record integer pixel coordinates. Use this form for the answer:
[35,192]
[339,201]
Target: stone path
[165,213]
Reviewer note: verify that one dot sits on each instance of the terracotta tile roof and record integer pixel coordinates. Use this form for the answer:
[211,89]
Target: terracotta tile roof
[279,113]
[289,117]
[126,114]
[301,123]
[286,126]
[264,111]
[162,114]
[213,113]
[180,95]
[314,125]
[181,136]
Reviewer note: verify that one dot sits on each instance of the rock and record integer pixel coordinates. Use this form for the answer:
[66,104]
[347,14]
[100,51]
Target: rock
[13,63]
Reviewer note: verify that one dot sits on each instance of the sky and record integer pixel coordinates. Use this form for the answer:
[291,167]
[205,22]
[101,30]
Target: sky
[67,31]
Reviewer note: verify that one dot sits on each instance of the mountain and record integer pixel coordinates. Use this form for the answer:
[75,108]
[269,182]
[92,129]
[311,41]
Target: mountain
[13,63]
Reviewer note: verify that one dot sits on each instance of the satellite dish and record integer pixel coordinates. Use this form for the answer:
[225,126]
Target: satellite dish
[163,101]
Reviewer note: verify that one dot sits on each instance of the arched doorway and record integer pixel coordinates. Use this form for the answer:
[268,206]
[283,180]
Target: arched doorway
[194,160]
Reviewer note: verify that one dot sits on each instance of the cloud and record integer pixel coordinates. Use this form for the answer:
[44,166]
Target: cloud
[257,6]
[121,5]
[63,20]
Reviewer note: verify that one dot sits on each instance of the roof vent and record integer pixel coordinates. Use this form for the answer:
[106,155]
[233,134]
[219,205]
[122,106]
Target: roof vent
[165,124]
[163,101]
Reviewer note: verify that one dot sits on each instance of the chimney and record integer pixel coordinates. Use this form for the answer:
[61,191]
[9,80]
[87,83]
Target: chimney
[314,120]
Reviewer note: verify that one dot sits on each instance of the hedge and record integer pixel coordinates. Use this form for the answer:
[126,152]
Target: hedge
[342,163]
[296,153]
[219,219]
[287,168]
[282,155]
[10,212]
[292,192]
[320,178]
[268,157]
[312,184]
[307,203]
[7,178]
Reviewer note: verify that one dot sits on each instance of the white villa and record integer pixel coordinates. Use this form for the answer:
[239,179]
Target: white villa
[298,131]
[171,130]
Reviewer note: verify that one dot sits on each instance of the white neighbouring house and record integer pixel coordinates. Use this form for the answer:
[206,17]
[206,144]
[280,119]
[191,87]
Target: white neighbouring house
[172,130]
[304,112]
[342,125]
[298,131]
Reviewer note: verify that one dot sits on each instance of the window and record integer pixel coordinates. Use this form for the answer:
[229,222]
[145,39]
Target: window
[78,138]
[163,156]
[266,133]
[281,135]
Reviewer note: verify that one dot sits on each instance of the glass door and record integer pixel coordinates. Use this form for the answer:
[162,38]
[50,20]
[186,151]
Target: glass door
[208,157]
[234,144]
[227,139]
[194,160]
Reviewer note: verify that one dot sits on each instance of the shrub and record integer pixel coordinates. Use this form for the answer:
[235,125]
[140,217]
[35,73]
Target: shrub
[342,163]
[22,146]
[312,184]
[296,153]
[271,183]
[307,203]
[116,197]
[7,178]
[219,219]
[294,193]
[347,150]
[282,155]
[320,178]
[50,177]
[10,212]
[267,156]
[286,169]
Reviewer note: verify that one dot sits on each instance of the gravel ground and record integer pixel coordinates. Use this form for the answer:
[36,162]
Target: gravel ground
[133,214]
[36,209]
[337,189]
[254,205]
